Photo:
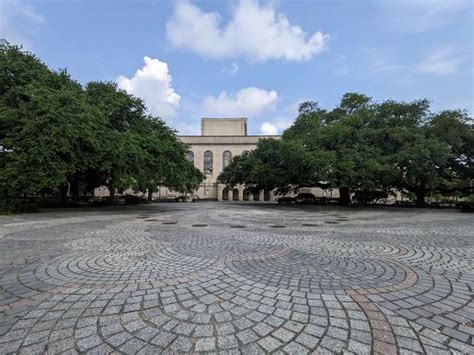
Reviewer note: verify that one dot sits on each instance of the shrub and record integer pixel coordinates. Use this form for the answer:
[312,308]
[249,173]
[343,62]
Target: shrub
[11,206]
[133,200]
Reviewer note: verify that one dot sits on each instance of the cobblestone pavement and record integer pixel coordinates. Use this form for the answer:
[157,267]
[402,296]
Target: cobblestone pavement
[213,277]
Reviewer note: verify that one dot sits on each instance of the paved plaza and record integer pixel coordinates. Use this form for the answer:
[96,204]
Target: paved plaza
[237,278]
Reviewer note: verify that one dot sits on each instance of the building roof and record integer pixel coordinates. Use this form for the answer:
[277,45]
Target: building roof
[224,140]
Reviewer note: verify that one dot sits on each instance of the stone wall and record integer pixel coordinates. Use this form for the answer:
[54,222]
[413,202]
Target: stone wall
[224,126]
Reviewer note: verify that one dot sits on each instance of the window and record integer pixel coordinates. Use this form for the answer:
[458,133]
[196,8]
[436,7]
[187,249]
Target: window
[208,162]
[225,194]
[245,153]
[226,159]
[266,195]
[235,195]
[190,156]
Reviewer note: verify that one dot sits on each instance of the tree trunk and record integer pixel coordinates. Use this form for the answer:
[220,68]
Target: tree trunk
[344,196]
[420,198]
[111,193]
[63,193]
[74,190]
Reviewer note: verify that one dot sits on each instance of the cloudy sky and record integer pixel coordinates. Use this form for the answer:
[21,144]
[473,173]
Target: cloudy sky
[190,58]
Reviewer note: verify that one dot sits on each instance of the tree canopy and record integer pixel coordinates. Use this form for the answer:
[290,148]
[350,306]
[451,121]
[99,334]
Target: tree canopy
[56,134]
[362,145]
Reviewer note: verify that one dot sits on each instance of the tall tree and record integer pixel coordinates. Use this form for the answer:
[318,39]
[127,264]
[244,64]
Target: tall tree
[55,135]
[363,146]
[343,136]
[281,165]
[45,125]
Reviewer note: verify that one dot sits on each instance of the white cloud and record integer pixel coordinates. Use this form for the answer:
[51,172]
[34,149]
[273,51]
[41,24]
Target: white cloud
[19,22]
[255,32]
[277,126]
[249,101]
[268,129]
[441,62]
[152,83]
[231,69]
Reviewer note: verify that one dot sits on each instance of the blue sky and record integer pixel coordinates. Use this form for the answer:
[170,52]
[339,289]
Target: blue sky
[189,59]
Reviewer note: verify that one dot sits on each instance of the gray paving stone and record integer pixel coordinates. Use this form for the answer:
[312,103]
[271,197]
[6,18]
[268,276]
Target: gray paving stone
[111,282]
[163,339]
[294,348]
[456,334]
[227,341]
[269,344]
[205,344]
[182,344]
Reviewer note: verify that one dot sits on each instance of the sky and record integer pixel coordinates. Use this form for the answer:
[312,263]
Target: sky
[189,59]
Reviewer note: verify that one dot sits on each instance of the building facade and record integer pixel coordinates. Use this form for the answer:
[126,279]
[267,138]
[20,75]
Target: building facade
[220,141]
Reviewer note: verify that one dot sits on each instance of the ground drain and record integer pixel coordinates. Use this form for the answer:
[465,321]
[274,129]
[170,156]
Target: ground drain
[170,222]
[151,220]
[199,225]
[331,222]
[310,225]
[237,226]
[276,226]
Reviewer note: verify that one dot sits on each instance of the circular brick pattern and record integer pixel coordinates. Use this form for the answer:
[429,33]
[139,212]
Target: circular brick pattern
[331,280]
[298,270]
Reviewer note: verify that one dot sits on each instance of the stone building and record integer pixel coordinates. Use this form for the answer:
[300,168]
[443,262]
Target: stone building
[220,141]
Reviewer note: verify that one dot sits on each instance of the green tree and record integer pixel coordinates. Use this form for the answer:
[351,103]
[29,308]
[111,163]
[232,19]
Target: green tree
[366,148]
[343,139]
[275,164]
[55,135]
[165,163]
[45,125]
[456,129]
[425,152]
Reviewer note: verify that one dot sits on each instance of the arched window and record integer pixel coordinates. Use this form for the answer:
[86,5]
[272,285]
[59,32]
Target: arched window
[235,195]
[266,195]
[225,194]
[256,196]
[226,159]
[208,162]
[245,153]
[246,195]
[190,156]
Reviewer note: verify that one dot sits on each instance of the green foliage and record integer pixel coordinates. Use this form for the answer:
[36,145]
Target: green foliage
[368,197]
[365,148]
[133,200]
[275,164]
[15,205]
[55,134]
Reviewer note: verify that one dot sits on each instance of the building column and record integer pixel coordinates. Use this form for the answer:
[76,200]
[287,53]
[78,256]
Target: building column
[241,193]
[219,192]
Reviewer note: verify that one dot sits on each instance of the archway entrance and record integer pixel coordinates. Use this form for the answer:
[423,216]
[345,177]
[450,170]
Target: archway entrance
[246,195]
[266,195]
[235,195]
[225,194]
[256,196]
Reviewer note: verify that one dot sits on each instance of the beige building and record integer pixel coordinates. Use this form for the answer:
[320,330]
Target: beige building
[220,141]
